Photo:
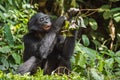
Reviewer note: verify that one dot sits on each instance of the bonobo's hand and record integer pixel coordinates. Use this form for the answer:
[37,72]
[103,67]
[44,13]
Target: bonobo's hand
[57,25]
[73,12]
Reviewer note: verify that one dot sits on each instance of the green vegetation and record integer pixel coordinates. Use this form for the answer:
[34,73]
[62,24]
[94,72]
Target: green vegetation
[97,51]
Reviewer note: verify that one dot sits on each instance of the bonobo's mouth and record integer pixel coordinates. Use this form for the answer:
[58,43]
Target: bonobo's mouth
[47,27]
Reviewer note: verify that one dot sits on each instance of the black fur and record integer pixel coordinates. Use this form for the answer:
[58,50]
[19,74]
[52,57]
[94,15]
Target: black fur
[46,49]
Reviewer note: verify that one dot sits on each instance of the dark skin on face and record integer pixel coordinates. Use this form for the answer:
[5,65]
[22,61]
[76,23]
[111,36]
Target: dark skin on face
[40,22]
[46,23]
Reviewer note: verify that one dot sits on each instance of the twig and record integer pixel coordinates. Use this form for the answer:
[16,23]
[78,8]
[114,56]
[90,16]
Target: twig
[89,9]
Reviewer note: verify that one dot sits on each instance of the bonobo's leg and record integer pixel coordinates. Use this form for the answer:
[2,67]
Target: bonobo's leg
[28,66]
[40,49]
[68,50]
[61,54]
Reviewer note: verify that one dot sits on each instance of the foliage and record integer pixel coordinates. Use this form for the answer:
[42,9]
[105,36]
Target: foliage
[14,16]
[97,50]
[98,65]
[39,76]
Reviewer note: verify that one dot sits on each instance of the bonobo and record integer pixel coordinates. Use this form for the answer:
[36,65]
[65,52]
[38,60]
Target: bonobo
[39,42]
[45,47]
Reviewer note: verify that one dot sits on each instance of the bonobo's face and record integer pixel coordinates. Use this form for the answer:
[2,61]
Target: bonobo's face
[44,22]
[39,22]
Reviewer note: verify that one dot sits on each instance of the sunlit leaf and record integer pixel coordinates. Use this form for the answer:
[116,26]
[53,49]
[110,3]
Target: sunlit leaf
[104,8]
[17,58]
[107,14]
[115,9]
[85,40]
[10,2]
[96,75]
[109,62]
[73,3]
[2,8]
[96,42]
[116,17]
[117,53]
[82,60]
[101,65]
[117,59]
[5,62]
[8,35]
[90,52]
[67,24]
[1,15]
[5,49]
[93,24]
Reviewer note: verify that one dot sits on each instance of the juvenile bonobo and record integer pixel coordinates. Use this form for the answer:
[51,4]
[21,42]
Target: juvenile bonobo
[45,47]
[39,42]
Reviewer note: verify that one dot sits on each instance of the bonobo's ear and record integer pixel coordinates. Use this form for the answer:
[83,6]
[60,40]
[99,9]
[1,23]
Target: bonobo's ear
[31,22]
[37,20]
[59,23]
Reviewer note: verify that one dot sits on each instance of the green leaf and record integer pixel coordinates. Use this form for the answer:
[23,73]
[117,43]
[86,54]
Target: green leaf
[107,15]
[101,65]
[85,40]
[117,59]
[108,53]
[109,62]
[2,67]
[115,9]
[8,35]
[73,3]
[17,58]
[93,24]
[2,8]
[90,52]
[77,58]
[66,26]
[116,17]
[104,8]
[72,60]
[5,62]
[5,49]
[1,15]
[96,75]
[10,2]
[96,42]
[82,60]
[117,53]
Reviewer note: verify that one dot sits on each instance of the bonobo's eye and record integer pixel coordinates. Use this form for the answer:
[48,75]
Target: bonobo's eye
[46,17]
[44,22]
[41,19]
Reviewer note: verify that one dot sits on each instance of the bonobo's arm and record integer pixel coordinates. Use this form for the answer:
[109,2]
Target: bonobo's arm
[49,41]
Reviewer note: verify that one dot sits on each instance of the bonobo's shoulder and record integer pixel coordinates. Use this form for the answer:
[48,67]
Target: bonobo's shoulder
[28,36]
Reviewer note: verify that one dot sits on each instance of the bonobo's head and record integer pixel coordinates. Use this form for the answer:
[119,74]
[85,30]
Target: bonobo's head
[39,22]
